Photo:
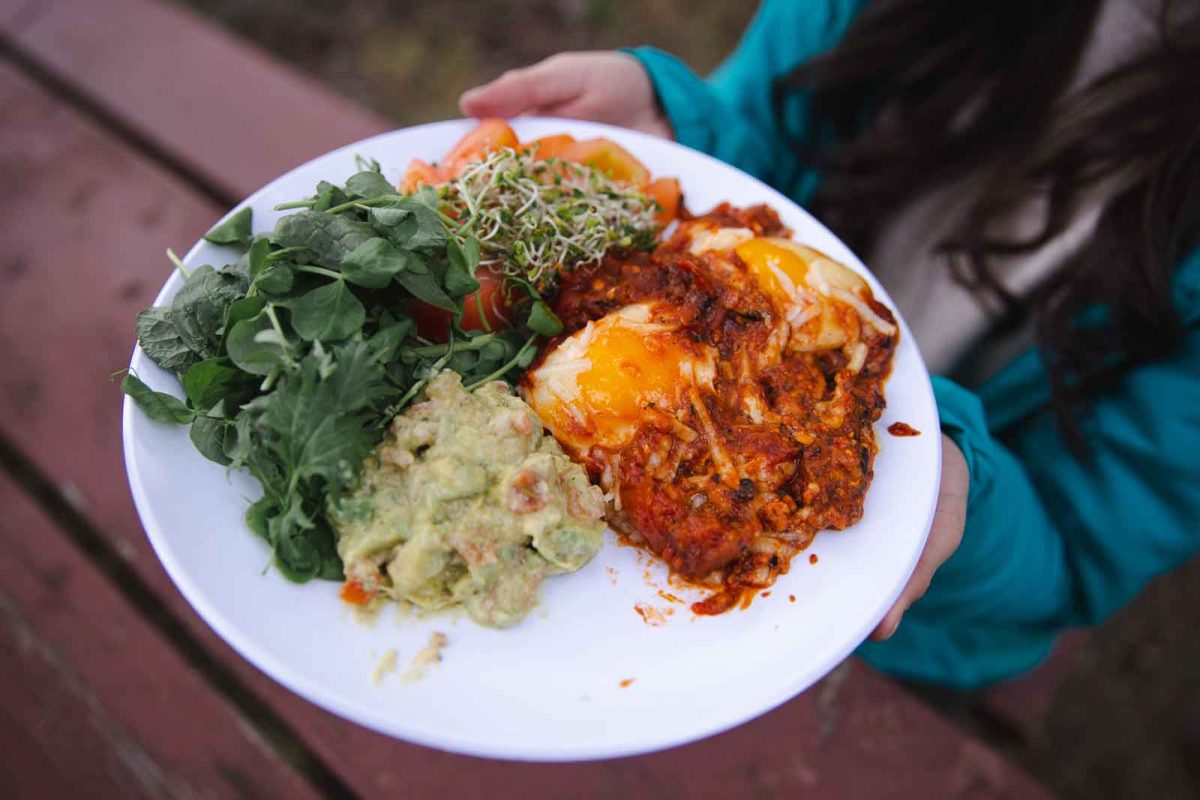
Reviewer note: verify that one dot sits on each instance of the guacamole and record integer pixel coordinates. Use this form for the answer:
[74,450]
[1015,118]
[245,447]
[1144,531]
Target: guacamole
[467,501]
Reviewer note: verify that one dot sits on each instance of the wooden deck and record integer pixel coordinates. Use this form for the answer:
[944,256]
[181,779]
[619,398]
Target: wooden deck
[128,126]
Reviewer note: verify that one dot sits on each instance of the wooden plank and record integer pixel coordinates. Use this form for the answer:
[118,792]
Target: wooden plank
[14,12]
[227,111]
[84,243]
[1022,704]
[97,698]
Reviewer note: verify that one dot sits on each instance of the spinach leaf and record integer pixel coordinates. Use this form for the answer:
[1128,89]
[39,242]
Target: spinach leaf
[330,237]
[235,230]
[426,287]
[462,261]
[369,184]
[375,262]
[255,346]
[160,339]
[329,313]
[199,309]
[210,436]
[158,406]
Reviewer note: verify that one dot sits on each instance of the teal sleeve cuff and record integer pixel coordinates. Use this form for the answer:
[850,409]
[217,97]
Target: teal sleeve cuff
[686,100]
[995,607]
[965,422]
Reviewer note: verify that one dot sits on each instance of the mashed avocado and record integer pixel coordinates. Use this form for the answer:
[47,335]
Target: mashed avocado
[467,501]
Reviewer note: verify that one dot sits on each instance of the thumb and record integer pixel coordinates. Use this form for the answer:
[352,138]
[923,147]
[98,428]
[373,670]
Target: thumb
[543,86]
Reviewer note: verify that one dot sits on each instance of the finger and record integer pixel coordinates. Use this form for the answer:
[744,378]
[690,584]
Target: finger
[545,85]
[945,535]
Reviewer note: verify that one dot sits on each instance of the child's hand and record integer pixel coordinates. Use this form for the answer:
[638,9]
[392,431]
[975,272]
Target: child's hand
[944,535]
[601,86]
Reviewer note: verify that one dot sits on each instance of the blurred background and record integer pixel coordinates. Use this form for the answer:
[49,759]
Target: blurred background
[115,151]
[411,60]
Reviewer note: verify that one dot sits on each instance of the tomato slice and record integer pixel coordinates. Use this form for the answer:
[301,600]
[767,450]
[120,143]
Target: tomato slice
[551,146]
[433,323]
[420,173]
[608,157]
[667,193]
[486,138]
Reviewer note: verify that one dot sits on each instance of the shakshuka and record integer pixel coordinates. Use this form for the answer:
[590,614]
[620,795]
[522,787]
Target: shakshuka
[721,390]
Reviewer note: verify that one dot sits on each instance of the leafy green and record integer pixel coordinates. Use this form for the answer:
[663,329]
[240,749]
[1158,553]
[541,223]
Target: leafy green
[542,320]
[330,237]
[212,437]
[426,287]
[462,261]
[388,339]
[316,429]
[159,406]
[294,358]
[328,196]
[198,310]
[328,313]
[209,381]
[161,340]
[409,223]
[375,262]
[257,258]
[368,184]
[235,230]
[246,308]
[256,346]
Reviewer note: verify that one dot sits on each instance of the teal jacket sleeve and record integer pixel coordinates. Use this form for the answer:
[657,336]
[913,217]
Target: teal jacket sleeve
[1054,540]
[731,114]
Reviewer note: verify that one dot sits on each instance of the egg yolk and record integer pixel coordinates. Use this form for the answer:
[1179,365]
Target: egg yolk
[595,386]
[777,267]
[630,370]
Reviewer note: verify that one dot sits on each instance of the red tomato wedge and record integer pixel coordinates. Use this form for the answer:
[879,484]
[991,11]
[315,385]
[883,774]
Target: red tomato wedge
[486,138]
[433,323]
[610,158]
[551,146]
[420,173]
[667,193]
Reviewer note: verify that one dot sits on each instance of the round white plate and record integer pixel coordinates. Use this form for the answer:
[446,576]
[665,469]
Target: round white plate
[584,676]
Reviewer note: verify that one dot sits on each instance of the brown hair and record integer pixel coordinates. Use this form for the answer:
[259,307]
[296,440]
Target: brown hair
[920,92]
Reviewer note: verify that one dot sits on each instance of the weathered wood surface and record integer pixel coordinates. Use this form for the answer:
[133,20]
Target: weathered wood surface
[1023,703]
[95,702]
[83,252]
[232,115]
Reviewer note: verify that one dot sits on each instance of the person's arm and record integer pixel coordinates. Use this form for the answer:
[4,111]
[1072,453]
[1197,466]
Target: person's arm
[1053,540]
[731,114]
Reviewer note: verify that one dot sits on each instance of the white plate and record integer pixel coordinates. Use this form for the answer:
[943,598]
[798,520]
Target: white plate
[549,689]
